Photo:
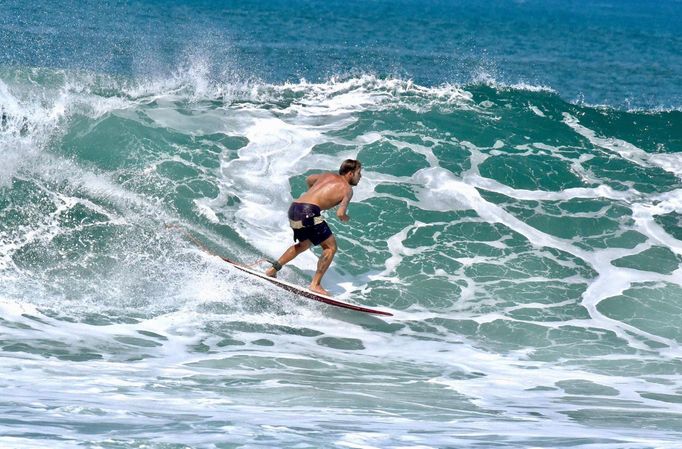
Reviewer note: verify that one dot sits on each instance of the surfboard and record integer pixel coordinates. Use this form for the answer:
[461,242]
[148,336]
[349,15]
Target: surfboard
[304,292]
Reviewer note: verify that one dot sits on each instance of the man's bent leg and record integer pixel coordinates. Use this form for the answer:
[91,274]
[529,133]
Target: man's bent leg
[328,251]
[288,256]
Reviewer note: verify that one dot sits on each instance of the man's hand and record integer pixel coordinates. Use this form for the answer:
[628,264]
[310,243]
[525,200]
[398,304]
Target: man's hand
[343,217]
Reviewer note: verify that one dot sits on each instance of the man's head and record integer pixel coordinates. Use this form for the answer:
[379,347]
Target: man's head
[351,170]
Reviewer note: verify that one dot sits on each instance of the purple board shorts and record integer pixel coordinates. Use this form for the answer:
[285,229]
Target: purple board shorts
[304,212]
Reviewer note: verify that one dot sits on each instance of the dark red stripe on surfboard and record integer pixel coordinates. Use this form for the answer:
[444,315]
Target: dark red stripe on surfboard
[307,293]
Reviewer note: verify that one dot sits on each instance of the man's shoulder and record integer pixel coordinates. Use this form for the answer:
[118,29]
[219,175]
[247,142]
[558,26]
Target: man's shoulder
[331,177]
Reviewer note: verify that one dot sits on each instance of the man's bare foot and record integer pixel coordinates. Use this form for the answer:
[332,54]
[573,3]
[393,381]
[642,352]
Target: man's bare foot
[271,272]
[318,289]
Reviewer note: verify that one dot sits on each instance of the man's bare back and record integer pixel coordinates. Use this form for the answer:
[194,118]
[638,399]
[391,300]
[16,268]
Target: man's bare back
[328,190]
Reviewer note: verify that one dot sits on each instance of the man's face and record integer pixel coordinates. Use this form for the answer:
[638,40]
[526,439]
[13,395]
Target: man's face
[357,174]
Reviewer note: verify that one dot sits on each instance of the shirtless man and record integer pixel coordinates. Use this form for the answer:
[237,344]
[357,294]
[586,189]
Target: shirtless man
[325,191]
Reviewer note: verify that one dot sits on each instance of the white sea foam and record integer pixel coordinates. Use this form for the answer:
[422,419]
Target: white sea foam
[124,391]
[483,77]
[669,162]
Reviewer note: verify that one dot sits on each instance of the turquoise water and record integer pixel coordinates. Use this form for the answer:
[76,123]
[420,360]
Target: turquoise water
[522,223]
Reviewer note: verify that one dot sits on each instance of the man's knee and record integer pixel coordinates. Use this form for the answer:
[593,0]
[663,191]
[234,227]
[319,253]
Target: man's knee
[329,245]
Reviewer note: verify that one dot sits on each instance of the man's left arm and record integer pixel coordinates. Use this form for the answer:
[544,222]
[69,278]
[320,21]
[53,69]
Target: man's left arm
[343,207]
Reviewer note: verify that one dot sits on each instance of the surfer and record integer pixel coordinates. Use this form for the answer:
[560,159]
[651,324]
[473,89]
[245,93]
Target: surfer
[325,190]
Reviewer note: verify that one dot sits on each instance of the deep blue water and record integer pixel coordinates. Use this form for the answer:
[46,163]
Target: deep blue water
[621,53]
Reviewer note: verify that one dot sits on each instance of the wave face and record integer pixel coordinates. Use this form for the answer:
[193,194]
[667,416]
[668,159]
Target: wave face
[528,244]
[528,247]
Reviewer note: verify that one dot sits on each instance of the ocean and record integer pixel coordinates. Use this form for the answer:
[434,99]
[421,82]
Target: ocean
[520,214]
